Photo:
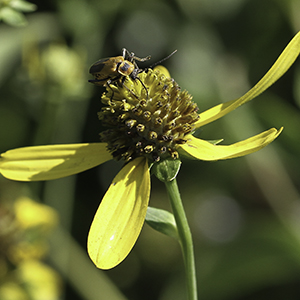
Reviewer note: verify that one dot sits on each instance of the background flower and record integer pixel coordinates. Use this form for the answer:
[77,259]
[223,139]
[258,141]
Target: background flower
[25,227]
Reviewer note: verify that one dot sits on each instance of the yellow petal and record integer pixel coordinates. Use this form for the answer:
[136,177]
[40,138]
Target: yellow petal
[204,150]
[51,162]
[163,70]
[282,64]
[120,216]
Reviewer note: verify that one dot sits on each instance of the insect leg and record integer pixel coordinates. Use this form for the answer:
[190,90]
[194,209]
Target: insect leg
[132,57]
[128,89]
[141,59]
[142,83]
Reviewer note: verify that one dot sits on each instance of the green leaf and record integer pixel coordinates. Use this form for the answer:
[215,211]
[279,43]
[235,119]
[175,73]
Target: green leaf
[162,221]
[166,170]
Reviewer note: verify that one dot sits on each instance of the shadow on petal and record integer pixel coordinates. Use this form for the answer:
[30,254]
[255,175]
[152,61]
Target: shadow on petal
[120,216]
[52,161]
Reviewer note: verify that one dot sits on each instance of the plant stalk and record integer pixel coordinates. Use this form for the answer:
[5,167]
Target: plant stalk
[185,237]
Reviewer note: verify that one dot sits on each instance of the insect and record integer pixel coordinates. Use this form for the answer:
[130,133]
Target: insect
[115,69]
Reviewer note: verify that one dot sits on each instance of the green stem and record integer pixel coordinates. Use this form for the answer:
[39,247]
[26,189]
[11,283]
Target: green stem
[185,237]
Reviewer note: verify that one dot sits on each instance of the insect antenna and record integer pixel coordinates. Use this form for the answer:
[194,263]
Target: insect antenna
[151,67]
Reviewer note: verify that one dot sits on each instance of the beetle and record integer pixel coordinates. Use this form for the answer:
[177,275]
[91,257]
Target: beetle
[115,69]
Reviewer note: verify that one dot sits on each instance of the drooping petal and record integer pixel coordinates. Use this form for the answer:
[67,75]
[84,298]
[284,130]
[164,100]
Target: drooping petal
[162,70]
[282,64]
[120,216]
[204,150]
[52,161]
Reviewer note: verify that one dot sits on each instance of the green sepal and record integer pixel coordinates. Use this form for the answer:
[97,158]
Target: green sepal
[162,221]
[167,169]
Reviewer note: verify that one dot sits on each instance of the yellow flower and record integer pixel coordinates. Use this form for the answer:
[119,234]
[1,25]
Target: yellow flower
[145,126]
[30,214]
[41,281]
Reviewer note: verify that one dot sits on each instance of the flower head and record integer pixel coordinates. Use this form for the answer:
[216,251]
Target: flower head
[145,124]
[150,123]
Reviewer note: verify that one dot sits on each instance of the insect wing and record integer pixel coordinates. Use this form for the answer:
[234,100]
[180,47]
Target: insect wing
[98,66]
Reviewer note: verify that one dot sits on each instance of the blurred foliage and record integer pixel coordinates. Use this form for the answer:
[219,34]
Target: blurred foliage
[244,213]
[11,11]
[25,226]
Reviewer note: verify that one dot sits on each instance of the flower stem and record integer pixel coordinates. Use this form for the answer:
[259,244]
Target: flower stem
[185,237]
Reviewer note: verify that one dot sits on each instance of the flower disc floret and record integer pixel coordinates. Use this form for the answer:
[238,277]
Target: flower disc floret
[150,123]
